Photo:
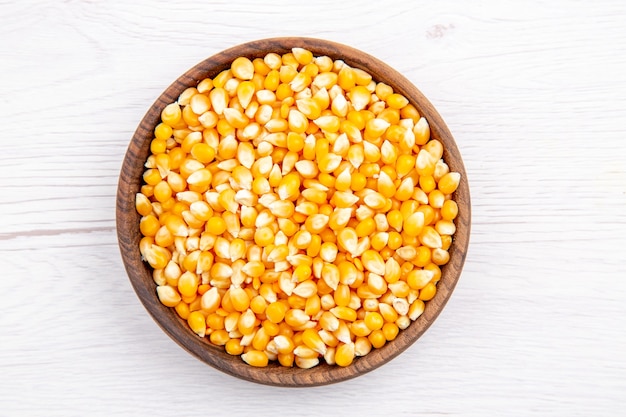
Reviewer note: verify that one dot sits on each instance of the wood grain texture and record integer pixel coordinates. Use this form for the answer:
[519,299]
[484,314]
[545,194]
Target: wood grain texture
[533,93]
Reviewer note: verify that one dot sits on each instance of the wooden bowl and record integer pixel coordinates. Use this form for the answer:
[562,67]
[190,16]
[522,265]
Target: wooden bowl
[139,272]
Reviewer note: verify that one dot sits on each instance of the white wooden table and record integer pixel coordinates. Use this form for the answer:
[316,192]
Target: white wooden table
[535,94]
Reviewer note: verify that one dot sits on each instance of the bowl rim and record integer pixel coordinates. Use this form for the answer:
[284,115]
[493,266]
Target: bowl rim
[139,273]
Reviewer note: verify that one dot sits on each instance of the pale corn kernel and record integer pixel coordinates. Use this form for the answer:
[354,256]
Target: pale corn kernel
[347,239]
[440,256]
[242,68]
[306,363]
[168,295]
[343,332]
[441,169]
[306,289]
[416,309]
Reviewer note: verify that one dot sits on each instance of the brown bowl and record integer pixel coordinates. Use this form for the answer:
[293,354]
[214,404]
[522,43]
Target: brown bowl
[139,272]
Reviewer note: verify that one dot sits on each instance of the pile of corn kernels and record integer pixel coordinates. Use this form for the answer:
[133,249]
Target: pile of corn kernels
[295,210]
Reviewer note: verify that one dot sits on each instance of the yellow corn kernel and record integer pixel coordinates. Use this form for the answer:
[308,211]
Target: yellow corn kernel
[449,210]
[427,183]
[246,322]
[142,204]
[346,78]
[358,181]
[272,80]
[255,358]
[233,347]
[312,339]
[182,309]
[446,242]
[344,354]
[414,224]
[302,273]
[188,283]
[377,339]
[149,225]
[158,146]
[428,292]
[313,305]
[264,236]
[289,187]
[449,182]
[396,101]
[425,163]
[399,289]
[359,329]
[239,298]
[260,339]
[171,115]
[390,330]
[344,313]
[445,227]
[275,312]
[286,359]
[419,278]
[374,320]
[395,219]
[379,240]
[163,131]
[216,225]
[426,210]
[375,128]
[305,289]
[394,241]
[197,323]
[421,130]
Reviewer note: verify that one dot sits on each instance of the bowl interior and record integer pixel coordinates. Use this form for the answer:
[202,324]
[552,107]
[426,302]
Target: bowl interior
[139,272]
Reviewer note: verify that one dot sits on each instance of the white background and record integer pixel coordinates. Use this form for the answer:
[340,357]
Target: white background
[535,94]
